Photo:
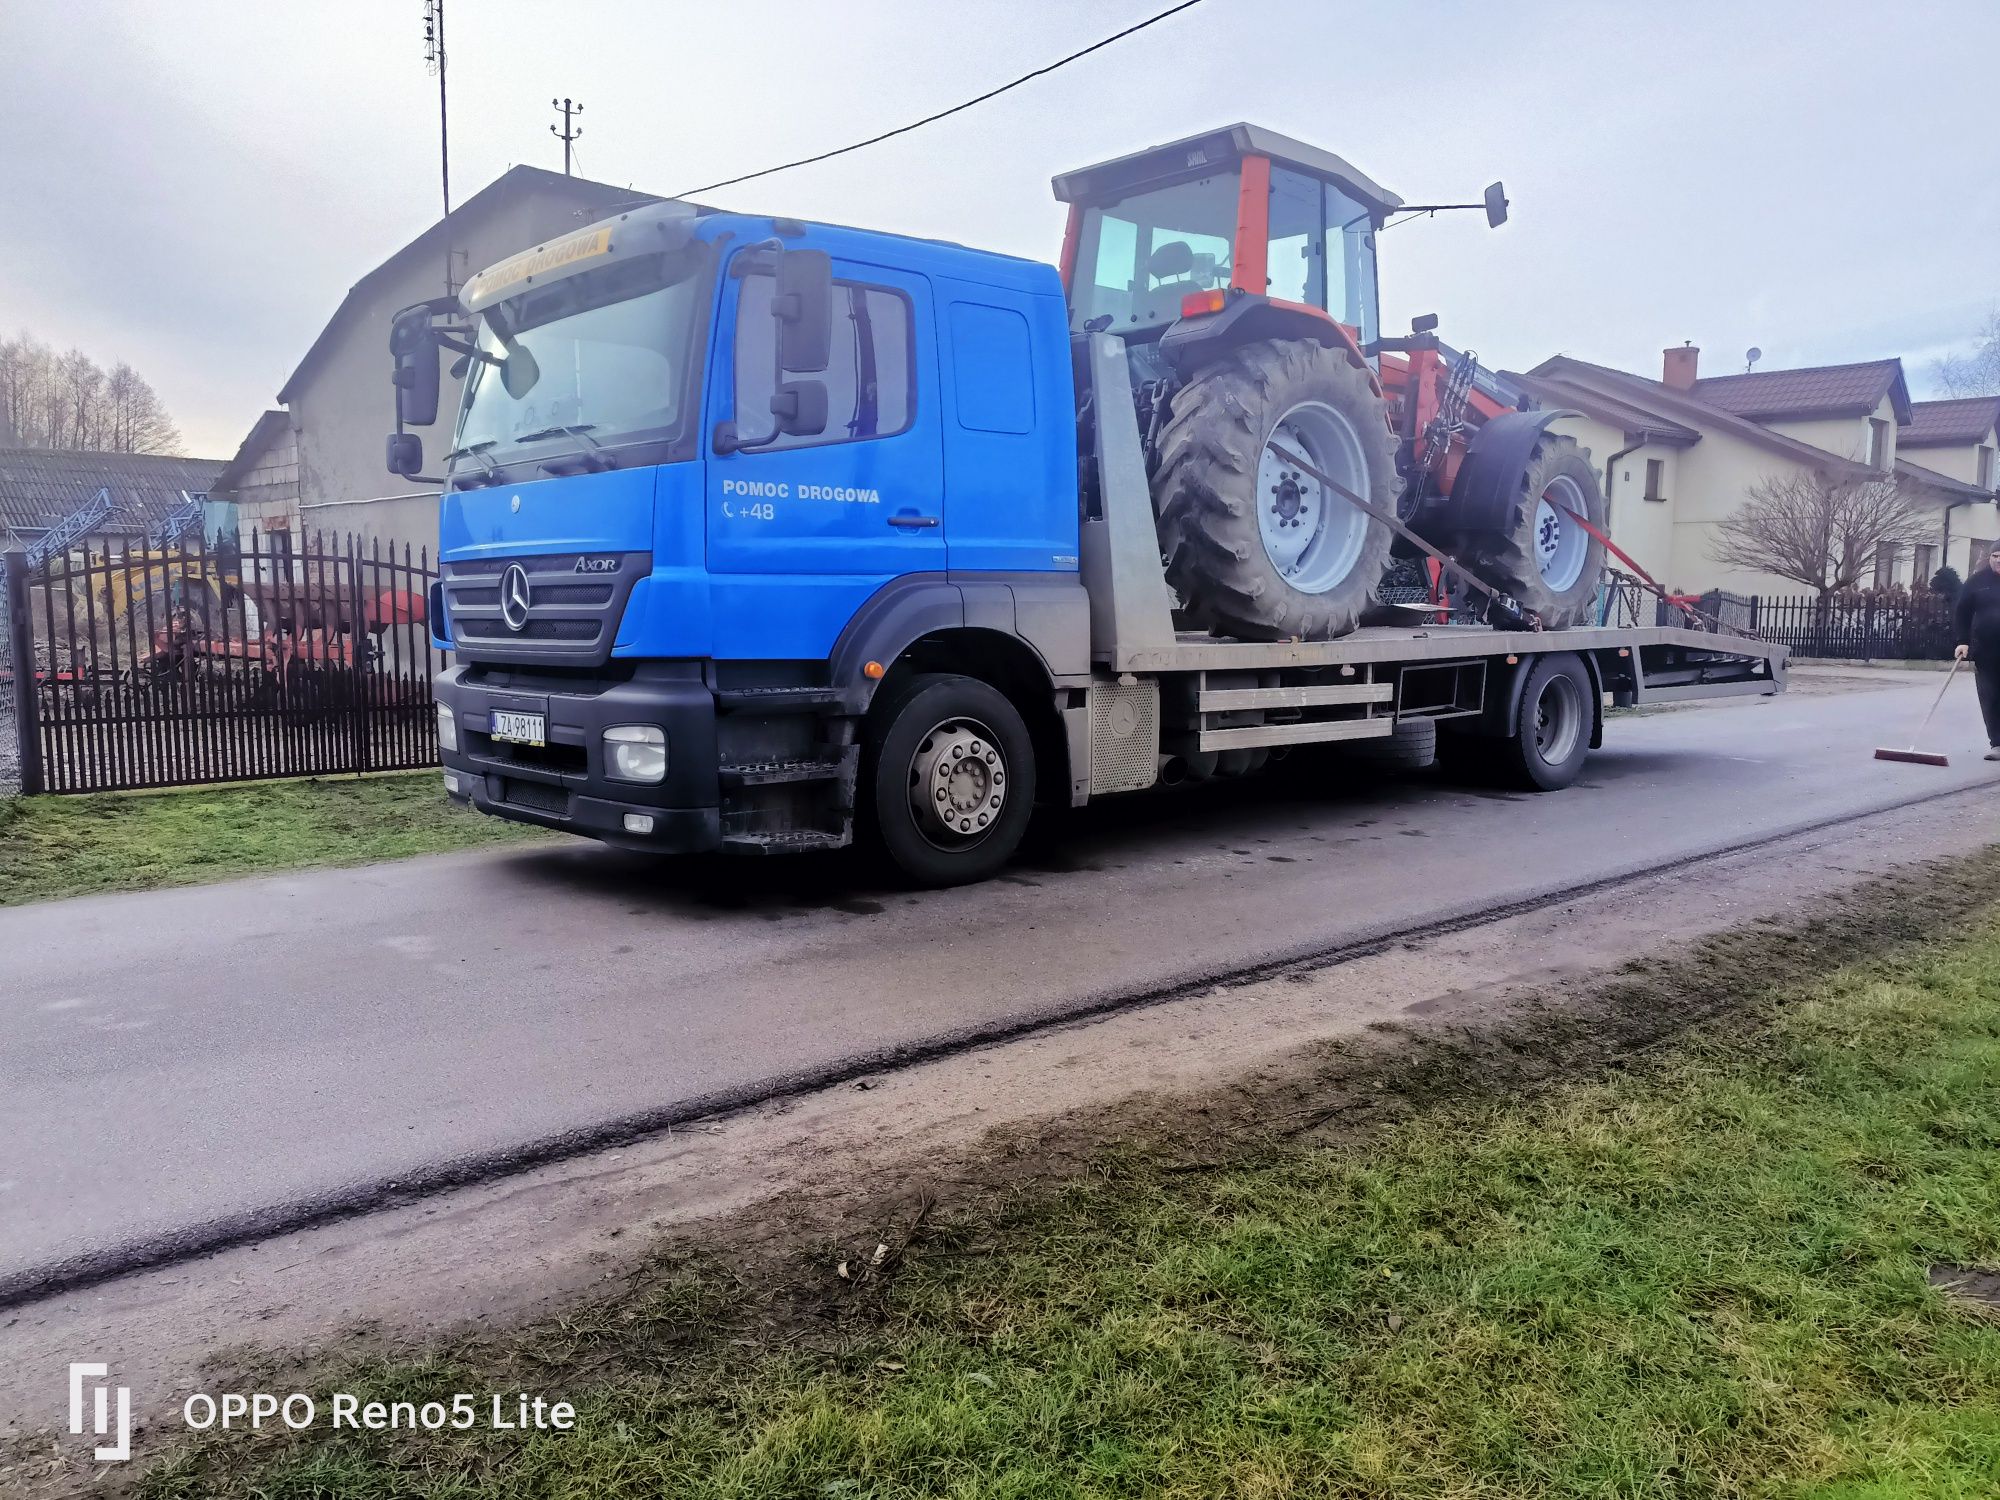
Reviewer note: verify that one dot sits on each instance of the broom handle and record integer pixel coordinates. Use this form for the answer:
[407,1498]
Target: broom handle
[1934,704]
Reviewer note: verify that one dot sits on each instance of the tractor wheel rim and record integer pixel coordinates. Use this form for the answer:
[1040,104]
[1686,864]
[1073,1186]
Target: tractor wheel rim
[1312,536]
[1560,544]
[958,784]
[1558,720]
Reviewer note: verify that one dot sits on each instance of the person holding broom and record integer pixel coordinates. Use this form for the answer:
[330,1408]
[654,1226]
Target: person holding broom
[1976,623]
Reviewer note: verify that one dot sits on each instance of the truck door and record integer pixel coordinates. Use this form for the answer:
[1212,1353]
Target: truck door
[816,524]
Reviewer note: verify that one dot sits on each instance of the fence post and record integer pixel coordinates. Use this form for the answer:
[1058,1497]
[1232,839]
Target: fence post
[21,657]
[357,637]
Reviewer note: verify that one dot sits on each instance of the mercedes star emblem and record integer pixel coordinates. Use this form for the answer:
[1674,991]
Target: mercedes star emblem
[514,596]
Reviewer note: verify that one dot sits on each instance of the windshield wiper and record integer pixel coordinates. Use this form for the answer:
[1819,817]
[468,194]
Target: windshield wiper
[478,451]
[597,458]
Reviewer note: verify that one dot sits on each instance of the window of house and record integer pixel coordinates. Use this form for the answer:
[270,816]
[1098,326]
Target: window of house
[1656,479]
[1885,566]
[1920,575]
[1878,443]
[869,376]
[1986,468]
[1980,552]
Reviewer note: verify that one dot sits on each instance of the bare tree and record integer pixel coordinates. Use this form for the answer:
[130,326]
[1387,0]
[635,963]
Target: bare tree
[1818,531]
[1977,373]
[50,400]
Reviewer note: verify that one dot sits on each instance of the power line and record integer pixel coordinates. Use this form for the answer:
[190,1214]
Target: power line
[1061,62]
[570,132]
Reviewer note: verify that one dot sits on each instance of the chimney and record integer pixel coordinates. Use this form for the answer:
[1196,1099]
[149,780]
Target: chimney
[1680,367]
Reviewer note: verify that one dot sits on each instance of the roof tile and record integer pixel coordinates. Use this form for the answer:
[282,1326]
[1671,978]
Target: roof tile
[1816,391]
[39,486]
[1949,424]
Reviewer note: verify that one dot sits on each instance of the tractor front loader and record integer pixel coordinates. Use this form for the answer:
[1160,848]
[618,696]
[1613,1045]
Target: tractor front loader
[1239,269]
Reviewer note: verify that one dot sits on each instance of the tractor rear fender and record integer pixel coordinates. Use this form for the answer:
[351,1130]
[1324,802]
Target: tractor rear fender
[1489,480]
[1247,318]
[1501,715]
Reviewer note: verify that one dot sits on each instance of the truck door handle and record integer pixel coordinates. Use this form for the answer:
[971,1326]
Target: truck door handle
[912,519]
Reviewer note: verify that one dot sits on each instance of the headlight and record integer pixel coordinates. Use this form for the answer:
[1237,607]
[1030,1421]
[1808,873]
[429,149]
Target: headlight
[447,728]
[635,752]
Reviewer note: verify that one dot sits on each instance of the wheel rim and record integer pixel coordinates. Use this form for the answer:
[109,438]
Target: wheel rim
[1312,536]
[1560,544]
[958,784]
[1558,720]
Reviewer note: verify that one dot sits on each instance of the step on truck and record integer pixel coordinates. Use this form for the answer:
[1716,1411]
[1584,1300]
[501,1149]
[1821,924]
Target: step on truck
[762,536]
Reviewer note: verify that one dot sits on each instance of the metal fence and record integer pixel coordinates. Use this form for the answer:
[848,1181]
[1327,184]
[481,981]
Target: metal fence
[166,664]
[1887,626]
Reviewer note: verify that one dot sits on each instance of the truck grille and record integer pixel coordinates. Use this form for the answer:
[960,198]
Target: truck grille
[534,794]
[574,602]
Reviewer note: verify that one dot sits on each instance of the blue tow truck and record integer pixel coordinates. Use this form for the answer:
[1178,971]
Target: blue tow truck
[763,536]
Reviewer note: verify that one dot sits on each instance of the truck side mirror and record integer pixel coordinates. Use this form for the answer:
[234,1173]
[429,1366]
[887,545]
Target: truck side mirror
[414,343]
[1496,205]
[406,454]
[803,306]
[800,407]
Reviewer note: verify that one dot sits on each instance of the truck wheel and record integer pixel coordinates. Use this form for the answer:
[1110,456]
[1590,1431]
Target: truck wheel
[1544,559]
[1257,548]
[1546,750]
[950,777]
[1412,746]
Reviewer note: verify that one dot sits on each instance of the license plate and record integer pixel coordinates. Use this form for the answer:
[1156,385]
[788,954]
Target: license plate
[522,729]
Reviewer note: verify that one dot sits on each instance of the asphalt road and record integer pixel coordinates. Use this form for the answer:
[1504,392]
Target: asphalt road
[180,1064]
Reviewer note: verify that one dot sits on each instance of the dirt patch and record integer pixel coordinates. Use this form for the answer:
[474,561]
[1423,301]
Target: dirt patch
[1970,1287]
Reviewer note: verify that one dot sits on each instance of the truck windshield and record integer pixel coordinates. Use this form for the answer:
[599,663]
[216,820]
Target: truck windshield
[610,352]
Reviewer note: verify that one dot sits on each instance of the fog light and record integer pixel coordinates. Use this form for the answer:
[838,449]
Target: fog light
[638,823]
[635,752]
[451,783]
[447,728]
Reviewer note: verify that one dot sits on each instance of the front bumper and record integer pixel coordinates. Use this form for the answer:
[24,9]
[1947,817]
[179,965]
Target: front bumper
[563,784]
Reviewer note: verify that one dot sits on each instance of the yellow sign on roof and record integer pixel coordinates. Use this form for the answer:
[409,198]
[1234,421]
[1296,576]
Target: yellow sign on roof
[585,244]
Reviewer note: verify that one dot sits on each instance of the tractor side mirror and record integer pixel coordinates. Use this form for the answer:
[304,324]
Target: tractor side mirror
[800,408]
[803,306]
[414,343]
[406,454]
[1496,205]
[1424,323]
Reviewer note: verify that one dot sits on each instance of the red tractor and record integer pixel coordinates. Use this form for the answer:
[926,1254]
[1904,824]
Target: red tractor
[1239,268]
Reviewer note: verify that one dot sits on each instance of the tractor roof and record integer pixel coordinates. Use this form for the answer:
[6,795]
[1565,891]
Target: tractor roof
[1198,155]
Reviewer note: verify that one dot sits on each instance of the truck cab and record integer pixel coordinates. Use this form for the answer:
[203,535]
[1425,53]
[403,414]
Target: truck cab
[717,482]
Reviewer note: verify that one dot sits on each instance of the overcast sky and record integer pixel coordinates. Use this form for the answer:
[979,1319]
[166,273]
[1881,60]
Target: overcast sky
[192,187]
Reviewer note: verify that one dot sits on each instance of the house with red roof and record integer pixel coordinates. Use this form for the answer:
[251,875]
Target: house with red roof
[1678,454]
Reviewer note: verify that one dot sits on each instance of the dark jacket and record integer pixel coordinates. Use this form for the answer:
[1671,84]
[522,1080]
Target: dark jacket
[1976,620]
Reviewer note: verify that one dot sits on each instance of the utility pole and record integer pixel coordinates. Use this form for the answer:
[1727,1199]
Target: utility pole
[569,132]
[434,61]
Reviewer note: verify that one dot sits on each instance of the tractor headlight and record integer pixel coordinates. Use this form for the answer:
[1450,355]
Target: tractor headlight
[447,728]
[635,752]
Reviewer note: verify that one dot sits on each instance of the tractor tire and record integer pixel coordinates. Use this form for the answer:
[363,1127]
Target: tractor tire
[1543,558]
[1256,549]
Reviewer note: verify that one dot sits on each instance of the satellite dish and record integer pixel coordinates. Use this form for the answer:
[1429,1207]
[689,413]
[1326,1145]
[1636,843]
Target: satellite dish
[1750,358]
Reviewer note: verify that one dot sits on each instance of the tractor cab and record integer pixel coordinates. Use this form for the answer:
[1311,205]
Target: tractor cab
[1173,231]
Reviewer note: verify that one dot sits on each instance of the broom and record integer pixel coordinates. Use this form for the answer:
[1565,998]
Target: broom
[1913,754]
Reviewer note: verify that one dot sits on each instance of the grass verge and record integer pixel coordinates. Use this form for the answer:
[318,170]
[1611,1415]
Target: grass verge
[1705,1271]
[52,847]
